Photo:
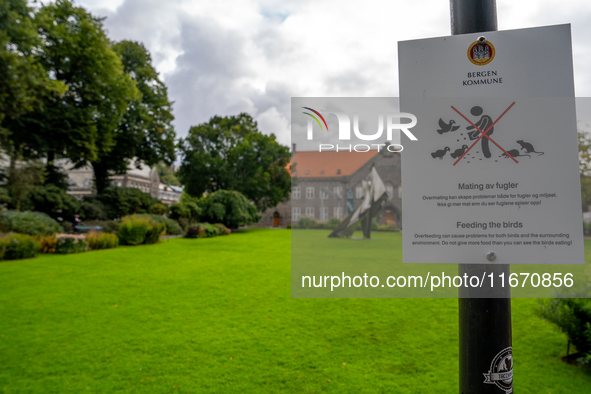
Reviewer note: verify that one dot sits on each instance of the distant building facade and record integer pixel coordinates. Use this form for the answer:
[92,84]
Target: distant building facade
[328,185]
[144,178]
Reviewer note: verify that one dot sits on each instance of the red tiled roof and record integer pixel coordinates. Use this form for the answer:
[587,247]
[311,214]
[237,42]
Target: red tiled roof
[328,164]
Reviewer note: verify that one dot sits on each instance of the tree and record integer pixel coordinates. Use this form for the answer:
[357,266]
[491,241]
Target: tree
[80,124]
[145,132]
[231,208]
[167,175]
[229,153]
[585,168]
[22,181]
[23,80]
[122,201]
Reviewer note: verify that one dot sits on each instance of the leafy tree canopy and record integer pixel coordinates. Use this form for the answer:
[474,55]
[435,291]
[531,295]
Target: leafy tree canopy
[145,131]
[81,123]
[229,153]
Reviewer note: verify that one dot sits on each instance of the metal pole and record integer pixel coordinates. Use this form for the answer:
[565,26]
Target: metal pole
[484,314]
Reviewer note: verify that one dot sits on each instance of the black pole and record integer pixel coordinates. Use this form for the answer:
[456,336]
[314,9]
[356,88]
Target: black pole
[484,314]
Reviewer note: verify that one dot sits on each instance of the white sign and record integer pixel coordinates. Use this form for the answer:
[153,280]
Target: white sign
[495,168]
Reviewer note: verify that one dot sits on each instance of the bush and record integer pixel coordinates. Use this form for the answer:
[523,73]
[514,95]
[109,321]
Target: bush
[222,230]
[158,209]
[172,227]
[47,244]
[155,230]
[332,223]
[30,223]
[231,208]
[195,232]
[204,230]
[97,240]
[53,201]
[388,227]
[210,230]
[18,246]
[122,201]
[305,222]
[70,245]
[573,316]
[136,230]
[92,210]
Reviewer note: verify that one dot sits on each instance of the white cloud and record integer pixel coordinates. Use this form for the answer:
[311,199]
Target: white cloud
[224,57]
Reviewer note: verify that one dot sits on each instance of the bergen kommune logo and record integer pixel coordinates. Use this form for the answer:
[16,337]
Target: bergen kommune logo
[394,125]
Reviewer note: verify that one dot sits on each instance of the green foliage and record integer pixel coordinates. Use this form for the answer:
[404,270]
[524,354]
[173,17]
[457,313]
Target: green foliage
[23,80]
[167,175]
[222,230]
[97,240]
[231,208]
[195,232]
[388,227]
[136,230]
[145,133]
[53,201]
[158,209]
[18,246]
[47,244]
[332,223]
[123,201]
[584,152]
[573,316]
[305,222]
[206,230]
[26,222]
[22,181]
[172,227]
[186,209]
[81,123]
[92,209]
[229,153]
[70,245]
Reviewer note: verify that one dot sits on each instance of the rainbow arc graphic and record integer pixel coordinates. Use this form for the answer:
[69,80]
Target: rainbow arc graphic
[315,118]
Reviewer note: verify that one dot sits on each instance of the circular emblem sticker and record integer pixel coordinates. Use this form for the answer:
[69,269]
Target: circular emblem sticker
[501,371]
[481,52]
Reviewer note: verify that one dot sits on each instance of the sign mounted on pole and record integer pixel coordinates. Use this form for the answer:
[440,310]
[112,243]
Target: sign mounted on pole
[494,175]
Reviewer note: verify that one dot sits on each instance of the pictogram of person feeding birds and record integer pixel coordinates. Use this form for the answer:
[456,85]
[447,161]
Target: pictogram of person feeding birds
[476,142]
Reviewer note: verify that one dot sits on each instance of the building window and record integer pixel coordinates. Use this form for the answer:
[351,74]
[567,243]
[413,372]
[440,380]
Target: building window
[337,212]
[338,190]
[295,193]
[324,213]
[295,214]
[358,192]
[310,212]
[390,191]
[310,193]
[323,195]
[349,194]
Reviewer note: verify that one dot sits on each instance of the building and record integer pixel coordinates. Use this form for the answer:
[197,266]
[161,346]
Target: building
[145,178]
[328,185]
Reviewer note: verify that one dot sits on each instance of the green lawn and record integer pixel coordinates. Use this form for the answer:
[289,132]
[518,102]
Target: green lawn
[216,316]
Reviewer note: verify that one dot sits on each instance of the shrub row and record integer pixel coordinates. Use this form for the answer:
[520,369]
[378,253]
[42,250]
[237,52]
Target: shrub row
[206,230]
[137,230]
[333,223]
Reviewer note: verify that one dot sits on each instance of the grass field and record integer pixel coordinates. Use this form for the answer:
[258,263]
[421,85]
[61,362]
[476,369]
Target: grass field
[216,316]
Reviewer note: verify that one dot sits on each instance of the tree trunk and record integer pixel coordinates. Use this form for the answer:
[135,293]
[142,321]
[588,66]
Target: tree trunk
[101,177]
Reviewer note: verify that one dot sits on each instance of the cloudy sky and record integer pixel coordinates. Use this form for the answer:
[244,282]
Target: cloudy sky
[228,56]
